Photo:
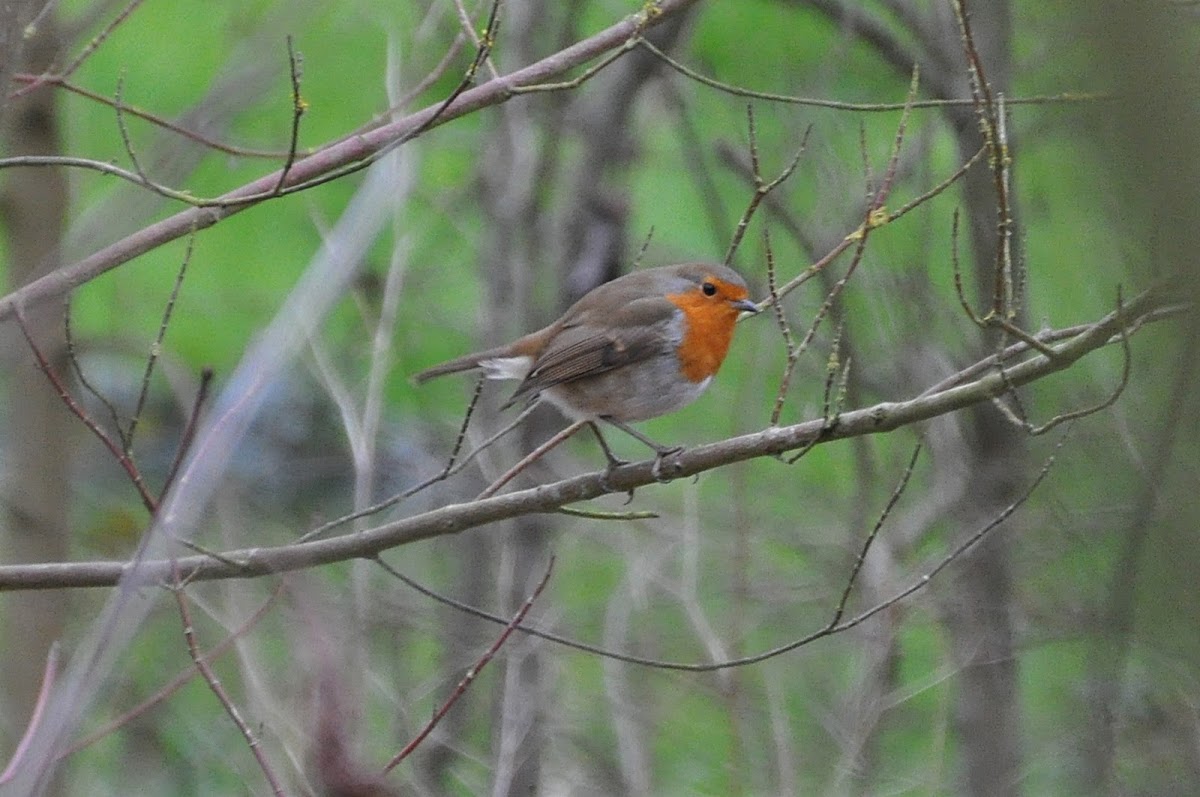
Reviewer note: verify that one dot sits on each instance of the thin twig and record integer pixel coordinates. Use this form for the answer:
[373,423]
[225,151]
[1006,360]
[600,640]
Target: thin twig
[830,629]
[179,681]
[156,346]
[473,672]
[154,119]
[73,357]
[531,457]
[124,131]
[999,159]
[866,546]
[214,684]
[582,77]
[789,343]
[189,430]
[299,107]
[124,459]
[738,91]
[761,188]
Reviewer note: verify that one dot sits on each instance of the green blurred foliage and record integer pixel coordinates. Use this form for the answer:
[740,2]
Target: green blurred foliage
[793,519]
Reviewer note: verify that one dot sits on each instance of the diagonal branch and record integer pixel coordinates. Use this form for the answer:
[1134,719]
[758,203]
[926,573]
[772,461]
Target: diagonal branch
[355,150]
[455,518]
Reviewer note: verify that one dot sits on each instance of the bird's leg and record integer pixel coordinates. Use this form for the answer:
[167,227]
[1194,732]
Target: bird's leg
[614,461]
[661,452]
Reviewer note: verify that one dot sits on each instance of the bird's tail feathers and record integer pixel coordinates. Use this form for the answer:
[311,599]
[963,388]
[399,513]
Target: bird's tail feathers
[491,360]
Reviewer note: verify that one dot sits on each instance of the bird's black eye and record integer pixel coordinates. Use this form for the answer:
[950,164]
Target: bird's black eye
[709,289]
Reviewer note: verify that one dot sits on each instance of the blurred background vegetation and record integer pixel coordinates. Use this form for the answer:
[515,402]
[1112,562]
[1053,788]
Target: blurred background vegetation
[1058,658]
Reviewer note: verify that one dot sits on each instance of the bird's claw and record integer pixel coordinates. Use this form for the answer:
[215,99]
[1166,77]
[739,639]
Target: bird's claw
[606,485]
[613,464]
[660,457]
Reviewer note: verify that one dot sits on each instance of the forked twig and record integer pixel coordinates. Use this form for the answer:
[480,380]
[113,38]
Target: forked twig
[761,187]
[449,470]
[124,459]
[830,629]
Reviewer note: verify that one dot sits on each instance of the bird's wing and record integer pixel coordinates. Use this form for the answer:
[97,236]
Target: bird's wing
[591,344]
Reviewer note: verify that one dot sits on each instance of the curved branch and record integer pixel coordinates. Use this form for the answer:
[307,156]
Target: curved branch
[454,518]
[343,154]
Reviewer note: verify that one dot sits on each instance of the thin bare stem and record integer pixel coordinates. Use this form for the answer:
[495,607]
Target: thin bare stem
[761,187]
[868,107]
[474,671]
[866,546]
[124,130]
[147,116]
[999,158]
[789,343]
[299,106]
[214,684]
[73,357]
[531,457]
[124,459]
[179,681]
[582,77]
[189,430]
[156,347]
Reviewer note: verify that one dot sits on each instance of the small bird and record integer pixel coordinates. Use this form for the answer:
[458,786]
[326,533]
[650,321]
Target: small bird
[640,346]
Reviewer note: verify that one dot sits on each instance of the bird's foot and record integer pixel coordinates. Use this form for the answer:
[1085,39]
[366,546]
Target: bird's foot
[613,464]
[660,458]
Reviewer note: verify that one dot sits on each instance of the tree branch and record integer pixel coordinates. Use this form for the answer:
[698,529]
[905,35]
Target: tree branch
[355,150]
[454,518]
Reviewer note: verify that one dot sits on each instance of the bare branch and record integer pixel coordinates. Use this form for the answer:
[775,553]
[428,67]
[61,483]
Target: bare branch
[214,684]
[885,417]
[351,153]
[867,107]
[474,671]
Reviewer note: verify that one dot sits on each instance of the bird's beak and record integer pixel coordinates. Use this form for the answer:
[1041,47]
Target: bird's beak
[745,305]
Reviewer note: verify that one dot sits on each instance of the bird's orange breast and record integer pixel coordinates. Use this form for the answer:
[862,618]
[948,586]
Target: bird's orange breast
[707,332]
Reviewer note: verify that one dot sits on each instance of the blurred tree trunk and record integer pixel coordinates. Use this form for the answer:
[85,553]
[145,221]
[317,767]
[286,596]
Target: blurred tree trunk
[1137,737]
[33,527]
[977,608]
[985,457]
[543,250]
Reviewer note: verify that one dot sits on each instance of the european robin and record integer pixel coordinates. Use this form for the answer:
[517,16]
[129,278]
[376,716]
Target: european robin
[637,347]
